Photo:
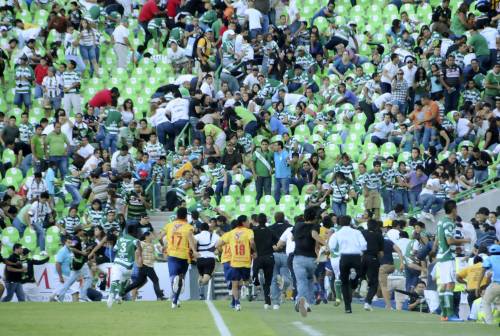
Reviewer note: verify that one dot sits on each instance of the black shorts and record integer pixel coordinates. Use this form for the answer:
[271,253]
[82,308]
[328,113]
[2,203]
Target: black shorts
[205,265]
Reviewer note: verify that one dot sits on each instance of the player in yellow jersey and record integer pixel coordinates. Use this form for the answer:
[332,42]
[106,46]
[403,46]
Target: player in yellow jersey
[241,243]
[180,243]
[225,260]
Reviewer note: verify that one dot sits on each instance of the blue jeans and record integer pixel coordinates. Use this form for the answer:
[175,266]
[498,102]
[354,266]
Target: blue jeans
[22,98]
[172,130]
[451,99]
[281,187]
[388,199]
[14,288]
[75,195]
[220,190]
[28,162]
[430,203]
[280,268]
[265,23]
[413,196]
[255,32]
[110,142]
[480,175]
[61,163]
[38,91]
[74,276]
[262,186]
[39,230]
[401,197]
[429,133]
[412,277]
[304,268]
[88,53]
[339,208]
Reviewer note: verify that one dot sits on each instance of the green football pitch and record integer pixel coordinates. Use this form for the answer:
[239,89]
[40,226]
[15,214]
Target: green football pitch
[195,318]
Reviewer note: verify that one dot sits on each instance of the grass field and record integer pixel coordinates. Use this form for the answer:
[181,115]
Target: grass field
[194,318]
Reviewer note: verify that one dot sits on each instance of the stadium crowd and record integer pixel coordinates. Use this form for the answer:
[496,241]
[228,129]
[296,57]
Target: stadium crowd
[373,113]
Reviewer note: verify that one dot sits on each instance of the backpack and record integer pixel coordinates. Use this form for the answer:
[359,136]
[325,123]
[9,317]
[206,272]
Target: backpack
[483,6]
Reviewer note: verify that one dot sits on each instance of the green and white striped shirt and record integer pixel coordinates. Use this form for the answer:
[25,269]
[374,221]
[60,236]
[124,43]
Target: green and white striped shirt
[217,172]
[373,180]
[24,79]
[389,176]
[70,223]
[25,132]
[154,150]
[95,216]
[68,79]
[340,191]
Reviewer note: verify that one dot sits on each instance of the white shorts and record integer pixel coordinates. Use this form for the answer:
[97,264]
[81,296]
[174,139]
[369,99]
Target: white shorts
[120,273]
[336,267]
[446,272]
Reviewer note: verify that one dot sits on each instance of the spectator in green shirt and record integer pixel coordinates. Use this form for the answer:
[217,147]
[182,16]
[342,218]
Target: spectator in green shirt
[492,84]
[480,45]
[56,149]
[37,153]
[262,169]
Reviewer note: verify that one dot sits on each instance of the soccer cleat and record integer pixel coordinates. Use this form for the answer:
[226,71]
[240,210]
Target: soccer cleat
[237,307]
[302,307]
[443,318]
[348,311]
[174,305]
[175,284]
[368,307]
[454,319]
[266,306]
[110,300]
[276,307]
[337,302]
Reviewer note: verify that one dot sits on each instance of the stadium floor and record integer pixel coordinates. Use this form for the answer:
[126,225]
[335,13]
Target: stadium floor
[194,318]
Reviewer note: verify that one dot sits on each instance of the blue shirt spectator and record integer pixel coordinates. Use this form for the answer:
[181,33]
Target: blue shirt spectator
[277,126]
[64,257]
[281,166]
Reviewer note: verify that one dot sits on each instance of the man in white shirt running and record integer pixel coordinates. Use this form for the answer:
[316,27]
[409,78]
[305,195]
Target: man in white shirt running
[350,244]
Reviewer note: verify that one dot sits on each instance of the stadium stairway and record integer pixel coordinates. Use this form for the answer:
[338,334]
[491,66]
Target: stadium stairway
[219,286]
[159,219]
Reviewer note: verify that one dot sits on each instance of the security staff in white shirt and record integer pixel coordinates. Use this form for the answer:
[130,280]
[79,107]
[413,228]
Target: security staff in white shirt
[351,244]
[206,241]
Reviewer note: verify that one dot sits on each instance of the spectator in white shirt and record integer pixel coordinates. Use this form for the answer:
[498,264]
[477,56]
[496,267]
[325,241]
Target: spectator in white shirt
[350,244]
[178,111]
[254,17]
[176,56]
[464,129]
[207,86]
[86,149]
[121,44]
[251,78]
[428,199]
[389,72]
[382,130]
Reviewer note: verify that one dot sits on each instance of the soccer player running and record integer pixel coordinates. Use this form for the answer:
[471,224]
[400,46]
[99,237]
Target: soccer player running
[445,265]
[206,241]
[181,247]
[128,249]
[241,241]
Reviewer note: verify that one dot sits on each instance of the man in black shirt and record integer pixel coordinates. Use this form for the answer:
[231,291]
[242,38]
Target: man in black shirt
[14,274]
[306,237]
[480,160]
[370,261]
[280,261]
[264,242]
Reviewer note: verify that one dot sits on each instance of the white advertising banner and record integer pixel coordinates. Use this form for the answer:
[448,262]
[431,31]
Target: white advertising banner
[47,282]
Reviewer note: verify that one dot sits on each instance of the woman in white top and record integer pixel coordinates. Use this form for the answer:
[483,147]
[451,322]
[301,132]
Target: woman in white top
[128,111]
[207,240]
[88,43]
[207,86]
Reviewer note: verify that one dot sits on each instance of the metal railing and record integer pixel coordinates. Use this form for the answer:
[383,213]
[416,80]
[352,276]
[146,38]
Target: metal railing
[490,184]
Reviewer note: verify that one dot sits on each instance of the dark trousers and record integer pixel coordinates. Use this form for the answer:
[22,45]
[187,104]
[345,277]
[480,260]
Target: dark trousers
[172,200]
[451,99]
[471,297]
[263,186]
[348,262]
[292,273]
[370,115]
[369,270]
[146,272]
[266,264]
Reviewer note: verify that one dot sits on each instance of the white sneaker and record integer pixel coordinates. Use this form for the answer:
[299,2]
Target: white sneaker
[119,299]
[174,305]
[302,307]
[175,284]
[110,300]
[266,306]
[84,300]
[237,307]
[276,307]
[43,254]
[53,298]
[367,307]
